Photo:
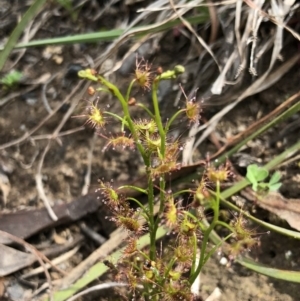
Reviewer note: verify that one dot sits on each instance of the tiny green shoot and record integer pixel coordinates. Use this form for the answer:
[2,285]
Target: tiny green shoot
[11,79]
[256,175]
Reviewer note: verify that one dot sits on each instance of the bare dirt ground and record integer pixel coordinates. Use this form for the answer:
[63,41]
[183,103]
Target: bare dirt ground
[49,77]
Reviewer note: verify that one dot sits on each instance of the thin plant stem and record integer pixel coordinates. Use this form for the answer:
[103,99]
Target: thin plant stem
[215,207]
[115,116]
[146,109]
[139,204]
[159,124]
[170,121]
[225,225]
[129,90]
[127,117]
[151,216]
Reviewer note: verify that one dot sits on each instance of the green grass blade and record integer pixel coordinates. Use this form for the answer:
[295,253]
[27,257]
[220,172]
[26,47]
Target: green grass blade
[28,16]
[292,276]
[109,35]
[280,118]
[99,269]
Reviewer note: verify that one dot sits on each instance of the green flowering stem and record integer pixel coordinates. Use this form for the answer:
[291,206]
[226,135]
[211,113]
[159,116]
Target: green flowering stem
[215,207]
[159,124]
[196,219]
[129,89]
[146,109]
[87,74]
[144,254]
[116,92]
[141,190]
[90,74]
[172,119]
[220,223]
[169,267]
[175,194]
[162,186]
[101,89]
[145,211]
[152,231]
[122,120]
[170,74]
[213,250]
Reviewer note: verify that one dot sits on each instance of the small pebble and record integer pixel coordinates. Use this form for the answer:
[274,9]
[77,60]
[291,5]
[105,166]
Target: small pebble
[223,261]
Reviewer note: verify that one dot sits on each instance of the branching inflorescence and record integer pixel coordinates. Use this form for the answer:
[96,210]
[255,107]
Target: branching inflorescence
[167,276]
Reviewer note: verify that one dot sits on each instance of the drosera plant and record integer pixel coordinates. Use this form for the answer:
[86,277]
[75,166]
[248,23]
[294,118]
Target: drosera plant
[167,275]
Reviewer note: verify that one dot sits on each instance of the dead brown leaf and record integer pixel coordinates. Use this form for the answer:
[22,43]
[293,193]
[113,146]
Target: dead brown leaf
[287,209]
[12,260]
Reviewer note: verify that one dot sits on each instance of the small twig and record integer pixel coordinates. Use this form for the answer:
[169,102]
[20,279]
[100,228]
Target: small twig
[253,127]
[90,60]
[11,96]
[132,49]
[45,119]
[29,33]
[111,49]
[87,178]
[40,257]
[272,19]
[61,134]
[191,29]
[40,187]
[55,261]
[99,239]
[214,22]
[256,24]
[190,5]
[103,10]
[44,97]
[38,177]
[34,156]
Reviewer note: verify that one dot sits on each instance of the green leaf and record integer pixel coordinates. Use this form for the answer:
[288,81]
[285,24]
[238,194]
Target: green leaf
[292,276]
[251,173]
[256,174]
[275,178]
[275,187]
[262,174]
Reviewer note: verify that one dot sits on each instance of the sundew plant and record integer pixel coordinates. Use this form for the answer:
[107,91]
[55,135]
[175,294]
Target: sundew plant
[152,273]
